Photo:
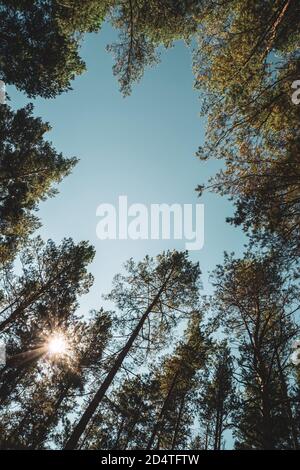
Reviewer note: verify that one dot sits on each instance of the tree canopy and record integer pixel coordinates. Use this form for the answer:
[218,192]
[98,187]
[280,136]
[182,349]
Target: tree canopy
[166,367]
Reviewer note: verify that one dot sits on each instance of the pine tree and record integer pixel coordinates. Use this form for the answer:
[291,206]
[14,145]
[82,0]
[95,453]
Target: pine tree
[40,40]
[152,298]
[145,25]
[29,170]
[177,378]
[52,385]
[247,61]
[255,302]
[40,301]
[217,400]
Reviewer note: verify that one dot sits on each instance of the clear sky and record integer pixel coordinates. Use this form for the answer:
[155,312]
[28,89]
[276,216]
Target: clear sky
[142,146]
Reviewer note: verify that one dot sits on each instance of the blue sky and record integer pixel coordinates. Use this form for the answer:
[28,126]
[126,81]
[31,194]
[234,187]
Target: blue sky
[142,146]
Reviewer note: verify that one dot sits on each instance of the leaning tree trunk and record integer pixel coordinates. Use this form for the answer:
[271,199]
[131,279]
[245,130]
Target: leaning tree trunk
[286,400]
[217,424]
[178,421]
[162,411]
[263,378]
[268,441]
[39,439]
[132,428]
[221,425]
[87,415]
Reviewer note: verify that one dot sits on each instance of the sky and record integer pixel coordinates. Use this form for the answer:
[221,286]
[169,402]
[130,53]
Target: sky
[142,146]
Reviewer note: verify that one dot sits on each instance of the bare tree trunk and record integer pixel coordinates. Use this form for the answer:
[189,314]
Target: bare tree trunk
[221,425]
[178,421]
[277,24]
[41,437]
[120,431]
[267,428]
[87,415]
[129,434]
[268,441]
[287,403]
[217,424]
[207,436]
[216,436]
[162,411]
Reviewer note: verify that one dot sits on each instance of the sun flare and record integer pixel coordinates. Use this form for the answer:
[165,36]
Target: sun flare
[57,345]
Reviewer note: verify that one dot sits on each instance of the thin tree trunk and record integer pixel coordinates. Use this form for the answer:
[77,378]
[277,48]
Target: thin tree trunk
[277,24]
[162,411]
[263,374]
[178,421]
[286,400]
[87,415]
[220,426]
[268,442]
[120,431]
[207,436]
[39,439]
[129,434]
[217,425]
[216,436]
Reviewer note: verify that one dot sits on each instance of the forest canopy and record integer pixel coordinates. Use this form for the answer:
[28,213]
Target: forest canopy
[165,367]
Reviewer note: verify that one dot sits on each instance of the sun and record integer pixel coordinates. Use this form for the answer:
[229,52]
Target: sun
[57,345]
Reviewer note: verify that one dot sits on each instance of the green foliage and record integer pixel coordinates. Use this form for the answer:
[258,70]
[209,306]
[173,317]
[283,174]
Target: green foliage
[246,62]
[52,278]
[29,169]
[40,41]
[173,278]
[153,297]
[256,303]
[144,26]
[217,400]
[45,391]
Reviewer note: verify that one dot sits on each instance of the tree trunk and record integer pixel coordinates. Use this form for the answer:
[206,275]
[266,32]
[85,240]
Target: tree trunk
[263,375]
[287,403]
[221,418]
[162,411]
[217,425]
[87,415]
[207,432]
[178,421]
[120,431]
[268,441]
[41,437]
